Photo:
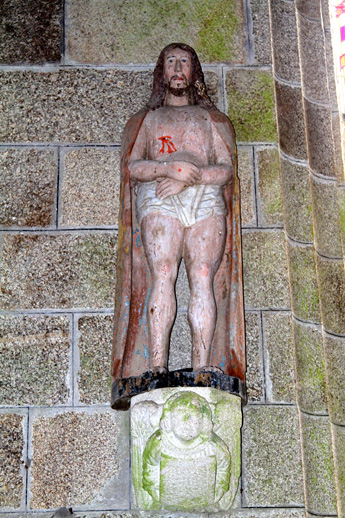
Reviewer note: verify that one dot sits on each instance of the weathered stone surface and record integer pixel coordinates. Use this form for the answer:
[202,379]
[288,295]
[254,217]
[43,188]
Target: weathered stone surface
[332,294]
[318,464]
[320,139]
[297,201]
[76,105]
[30,31]
[339,458]
[291,120]
[58,271]
[251,104]
[94,345]
[279,362]
[267,513]
[270,205]
[337,141]
[182,288]
[272,471]
[264,270]
[182,443]
[335,360]
[326,217]
[341,198]
[90,188]
[254,373]
[245,173]
[310,368]
[34,354]
[28,188]
[332,89]
[303,282]
[101,31]
[261,32]
[83,456]
[309,9]
[180,352]
[11,460]
[284,37]
[312,55]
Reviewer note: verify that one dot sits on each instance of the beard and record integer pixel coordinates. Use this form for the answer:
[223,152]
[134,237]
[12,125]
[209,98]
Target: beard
[178,92]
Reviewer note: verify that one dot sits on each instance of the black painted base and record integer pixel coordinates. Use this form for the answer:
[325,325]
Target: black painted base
[122,390]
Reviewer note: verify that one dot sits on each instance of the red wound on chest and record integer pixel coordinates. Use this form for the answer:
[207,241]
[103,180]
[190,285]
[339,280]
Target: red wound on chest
[166,141]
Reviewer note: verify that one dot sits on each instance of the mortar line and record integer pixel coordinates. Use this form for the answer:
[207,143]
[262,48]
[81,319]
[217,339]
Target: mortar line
[68,230]
[27,459]
[73,381]
[255,179]
[58,187]
[263,356]
[248,31]
[63,35]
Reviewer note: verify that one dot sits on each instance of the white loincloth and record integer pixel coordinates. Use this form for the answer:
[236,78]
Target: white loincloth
[191,205]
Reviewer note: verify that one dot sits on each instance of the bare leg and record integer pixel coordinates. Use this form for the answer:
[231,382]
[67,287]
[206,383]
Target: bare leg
[203,250]
[162,238]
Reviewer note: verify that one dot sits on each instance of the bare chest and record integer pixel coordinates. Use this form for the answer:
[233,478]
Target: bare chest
[179,131]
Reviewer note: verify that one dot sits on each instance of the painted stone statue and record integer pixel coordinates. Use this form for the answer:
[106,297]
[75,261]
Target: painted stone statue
[179,198]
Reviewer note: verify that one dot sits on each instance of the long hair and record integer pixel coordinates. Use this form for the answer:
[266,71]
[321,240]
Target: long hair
[197,91]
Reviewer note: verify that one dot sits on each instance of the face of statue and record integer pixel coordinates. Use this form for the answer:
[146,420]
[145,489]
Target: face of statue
[178,70]
[186,423]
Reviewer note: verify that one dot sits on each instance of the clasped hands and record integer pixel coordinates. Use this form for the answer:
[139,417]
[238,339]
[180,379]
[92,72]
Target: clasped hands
[179,175]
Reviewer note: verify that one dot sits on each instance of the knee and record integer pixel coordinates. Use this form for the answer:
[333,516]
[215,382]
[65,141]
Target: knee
[164,271]
[201,277]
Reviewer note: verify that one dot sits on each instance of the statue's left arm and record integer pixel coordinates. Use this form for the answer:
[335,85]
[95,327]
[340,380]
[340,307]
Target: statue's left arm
[222,170]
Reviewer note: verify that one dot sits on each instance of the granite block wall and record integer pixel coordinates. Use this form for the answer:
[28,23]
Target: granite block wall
[71,74]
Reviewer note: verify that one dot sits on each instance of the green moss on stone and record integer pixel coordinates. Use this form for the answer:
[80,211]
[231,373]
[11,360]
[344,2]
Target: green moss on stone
[251,105]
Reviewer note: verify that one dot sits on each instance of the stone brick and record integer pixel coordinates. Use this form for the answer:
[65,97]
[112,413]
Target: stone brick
[310,368]
[94,344]
[267,513]
[318,465]
[332,89]
[270,197]
[341,198]
[264,270]
[101,31]
[58,271]
[326,217]
[73,105]
[261,32]
[182,288]
[325,13]
[337,141]
[291,120]
[339,458]
[180,353]
[35,359]
[78,105]
[90,188]
[272,470]
[254,373]
[303,282]
[284,38]
[309,9]
[332,294]
[28,189]
[251,104]
[312,55]
[320,139]
[80,459]
[30,31]
[334,347]
[297,201]
[11,460]
[245,173]
[279,361]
